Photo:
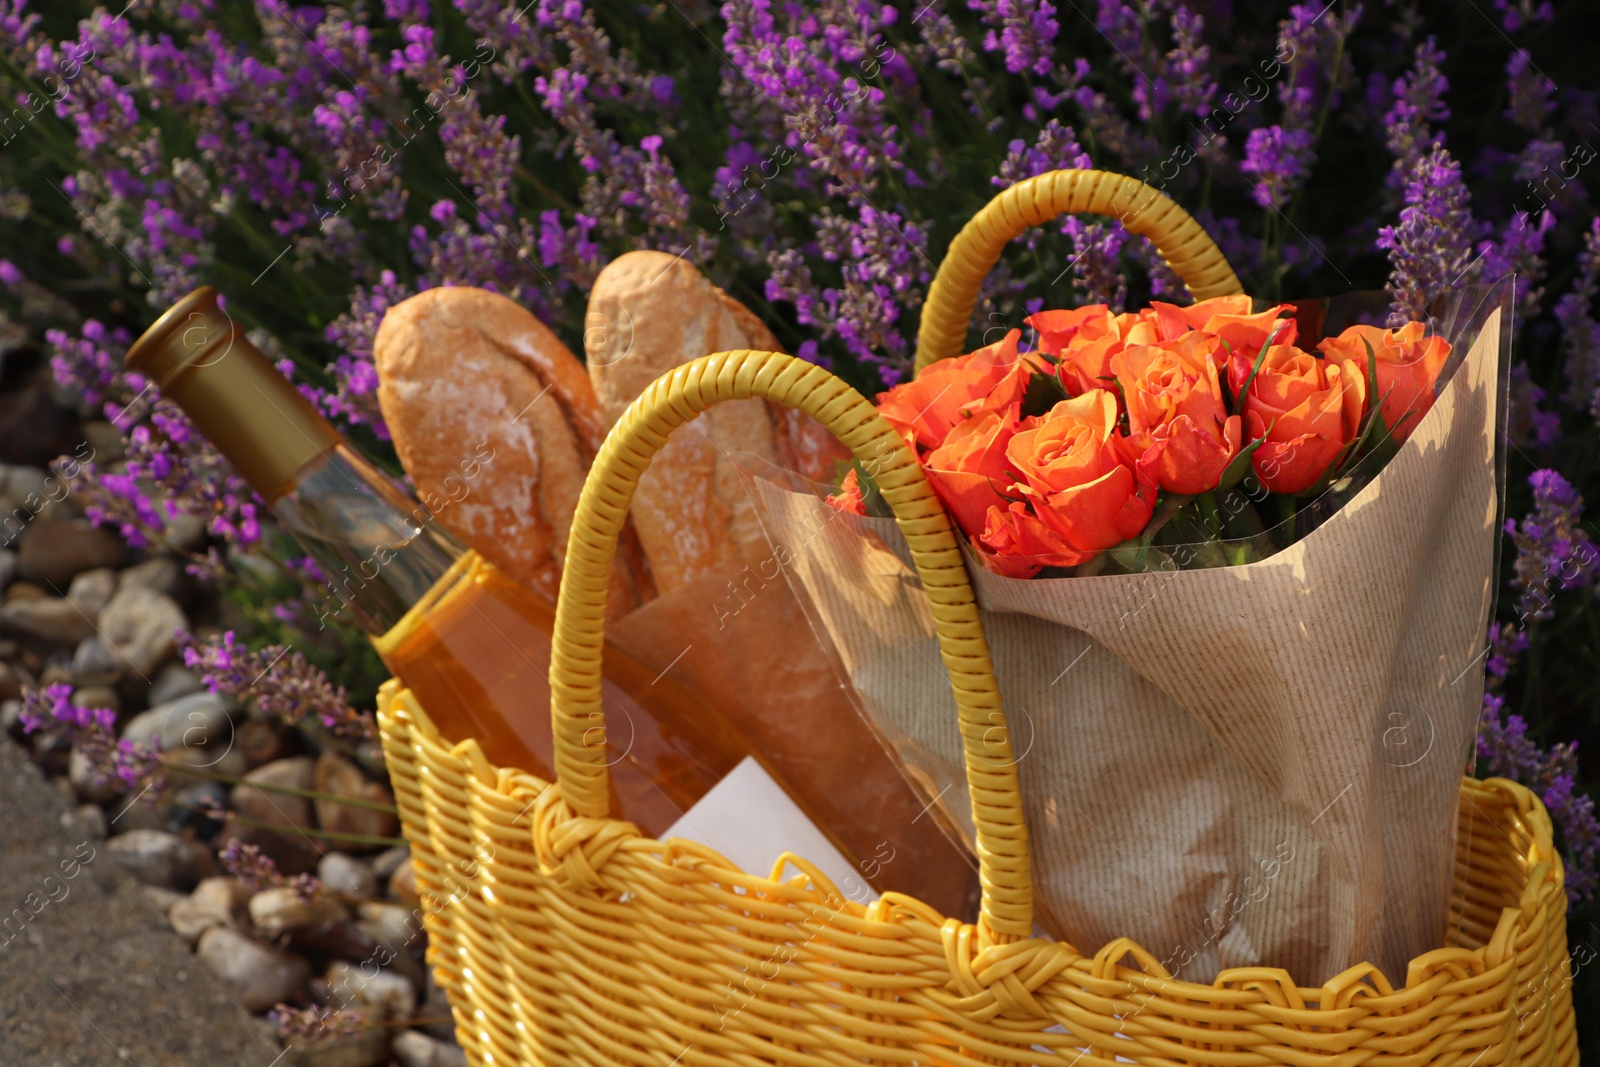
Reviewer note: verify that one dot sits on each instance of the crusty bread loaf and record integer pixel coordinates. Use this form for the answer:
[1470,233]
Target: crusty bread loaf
[496,422]
[648,313]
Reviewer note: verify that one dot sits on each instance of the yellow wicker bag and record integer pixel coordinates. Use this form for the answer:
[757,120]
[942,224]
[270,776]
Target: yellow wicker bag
[563,936]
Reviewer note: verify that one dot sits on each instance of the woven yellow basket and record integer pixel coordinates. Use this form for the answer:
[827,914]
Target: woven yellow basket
[564,937]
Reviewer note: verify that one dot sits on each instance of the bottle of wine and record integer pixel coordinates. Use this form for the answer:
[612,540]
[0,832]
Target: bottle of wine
[473,644]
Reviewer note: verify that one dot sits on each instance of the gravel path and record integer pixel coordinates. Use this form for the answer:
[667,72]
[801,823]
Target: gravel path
[90,972]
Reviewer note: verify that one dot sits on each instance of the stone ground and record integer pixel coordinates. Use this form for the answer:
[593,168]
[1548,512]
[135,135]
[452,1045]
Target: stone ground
[97,977]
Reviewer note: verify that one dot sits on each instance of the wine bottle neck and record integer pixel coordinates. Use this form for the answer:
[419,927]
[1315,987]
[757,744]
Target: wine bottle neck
[379,552]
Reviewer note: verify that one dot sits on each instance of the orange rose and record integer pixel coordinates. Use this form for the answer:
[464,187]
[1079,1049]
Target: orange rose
[969,470]
[948,392]
[1080,474]
[849,497]
[1307,408]
[1408,366]
[1084,340]
[1139,327]
[1176,408]
[1229,317]
[1020,544]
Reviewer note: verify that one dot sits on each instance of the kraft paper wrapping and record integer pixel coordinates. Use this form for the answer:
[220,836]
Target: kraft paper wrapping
[740,641]
[1239,766]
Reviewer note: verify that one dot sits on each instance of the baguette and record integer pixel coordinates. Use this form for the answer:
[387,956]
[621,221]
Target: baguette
[649,313]
[496,422]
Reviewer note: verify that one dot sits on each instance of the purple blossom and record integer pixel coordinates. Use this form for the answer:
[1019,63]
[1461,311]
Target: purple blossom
[1506,750]
[1418,103]
[90,732]
[1023,31]
[307,1026]
[1529,91]
[1519,250]
[1553,549]
[1280,159]
[1580,333]
[355,397]
[281,682]
[1515,14]
[1430,251]
[1532,427]
[258,871]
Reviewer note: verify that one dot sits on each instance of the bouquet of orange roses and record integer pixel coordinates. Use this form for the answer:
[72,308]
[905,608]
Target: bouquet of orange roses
[1235,567]
[1156,437]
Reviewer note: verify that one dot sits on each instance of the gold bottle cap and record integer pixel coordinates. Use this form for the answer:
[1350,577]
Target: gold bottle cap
[201,360]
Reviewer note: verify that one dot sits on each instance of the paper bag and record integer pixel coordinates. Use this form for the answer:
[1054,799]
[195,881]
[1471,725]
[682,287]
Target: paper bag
[1237,766]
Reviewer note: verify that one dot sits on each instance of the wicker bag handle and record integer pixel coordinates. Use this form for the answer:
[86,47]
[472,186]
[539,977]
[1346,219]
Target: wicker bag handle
[1188,250]
[671,401]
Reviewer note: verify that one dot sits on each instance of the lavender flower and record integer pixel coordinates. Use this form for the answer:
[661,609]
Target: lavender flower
[1506,750]
[1552,546]
[52,712]
[355,397]
[281,682]
[258,871]
[307,1026]
[1280,159]
[1532,427]
[1580,333]
[1529,91]
[1023,31]
[1515,14]
[1430,250]
[1418,103]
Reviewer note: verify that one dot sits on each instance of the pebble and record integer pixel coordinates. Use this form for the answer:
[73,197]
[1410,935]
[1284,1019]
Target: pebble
[272,911]
[399,930]
[97,696]
[279,809]
[93,663]
[379,995]
[366,1049]
[12,679]
[161,859]
[190,805]
[51,619]
[185,532]
[161,575]
[173,682]
[259,975]
[339,777]
[214,902]
[384,863]
[105,439]
[259,741]
[209,759]
[87,821]
[292,852]
[403,884]
[197,719]
[91,591]
[413,1048]
[163,899]
[87,785]
[53,552]
[346,874]
[436,1006]
[8,567]
[10,714]
[141,627]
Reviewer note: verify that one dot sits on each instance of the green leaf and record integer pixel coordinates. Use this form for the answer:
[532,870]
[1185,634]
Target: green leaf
[1235,471]
[1261,357]
[871,495]
[1044,392]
